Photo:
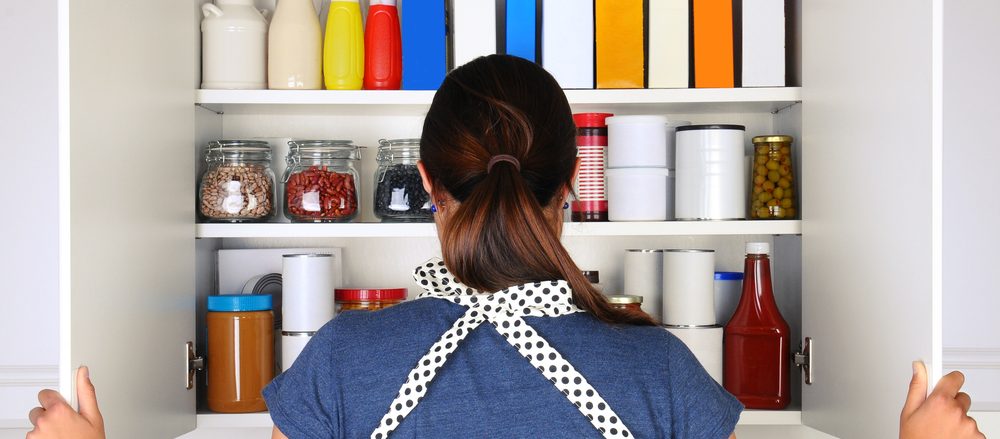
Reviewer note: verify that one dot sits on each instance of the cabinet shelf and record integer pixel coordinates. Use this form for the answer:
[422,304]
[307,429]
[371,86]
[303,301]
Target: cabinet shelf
[263,419]
[417,230]
[415,102]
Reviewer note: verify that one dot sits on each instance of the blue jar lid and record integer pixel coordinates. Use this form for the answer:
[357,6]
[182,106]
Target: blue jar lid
[728,275]
[239,302]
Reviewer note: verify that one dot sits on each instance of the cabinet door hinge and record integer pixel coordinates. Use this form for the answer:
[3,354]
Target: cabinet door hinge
[803,359]
[193,364]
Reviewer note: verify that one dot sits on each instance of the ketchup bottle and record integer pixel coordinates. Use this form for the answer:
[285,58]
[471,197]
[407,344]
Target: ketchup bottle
[383,47]
[756,360]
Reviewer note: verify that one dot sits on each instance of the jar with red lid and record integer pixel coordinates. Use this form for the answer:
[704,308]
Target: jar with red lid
[591,202]
[321,181]
[368,299]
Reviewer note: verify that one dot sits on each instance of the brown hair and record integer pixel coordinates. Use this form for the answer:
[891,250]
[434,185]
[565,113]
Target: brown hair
[500,235]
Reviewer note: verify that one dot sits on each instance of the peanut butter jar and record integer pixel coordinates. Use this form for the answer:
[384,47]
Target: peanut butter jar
[240,352]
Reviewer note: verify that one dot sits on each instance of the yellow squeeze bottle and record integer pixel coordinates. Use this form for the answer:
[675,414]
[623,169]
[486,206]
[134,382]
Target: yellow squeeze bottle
[344,46]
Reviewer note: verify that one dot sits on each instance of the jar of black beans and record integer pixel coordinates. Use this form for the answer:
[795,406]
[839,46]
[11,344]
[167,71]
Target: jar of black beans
[399,192]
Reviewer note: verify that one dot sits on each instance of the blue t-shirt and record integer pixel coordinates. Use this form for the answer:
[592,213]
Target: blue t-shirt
[347,376]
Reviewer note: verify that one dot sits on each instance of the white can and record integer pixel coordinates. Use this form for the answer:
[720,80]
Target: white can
[644,277]
[688,291]
[638,141]
[705,342]
[640,194]
[233,45]
[307,292]
[292,344]
[711,172]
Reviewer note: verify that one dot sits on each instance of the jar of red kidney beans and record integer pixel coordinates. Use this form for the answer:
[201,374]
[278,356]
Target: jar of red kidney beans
[321,181]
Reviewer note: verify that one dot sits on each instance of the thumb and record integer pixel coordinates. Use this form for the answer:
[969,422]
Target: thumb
[86,396]
[918,390]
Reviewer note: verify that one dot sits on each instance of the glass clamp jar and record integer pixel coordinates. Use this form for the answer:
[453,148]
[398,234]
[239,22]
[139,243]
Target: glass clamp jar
[321,181]
[238,183]
[772,189]
[399,190]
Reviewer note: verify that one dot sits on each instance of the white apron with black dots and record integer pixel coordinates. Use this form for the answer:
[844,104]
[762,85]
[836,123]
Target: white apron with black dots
[504,310]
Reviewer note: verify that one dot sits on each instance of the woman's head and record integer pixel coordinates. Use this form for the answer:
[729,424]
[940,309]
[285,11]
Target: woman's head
[499,225]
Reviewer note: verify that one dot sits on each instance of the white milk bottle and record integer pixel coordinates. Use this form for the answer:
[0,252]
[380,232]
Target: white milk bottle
[295,47]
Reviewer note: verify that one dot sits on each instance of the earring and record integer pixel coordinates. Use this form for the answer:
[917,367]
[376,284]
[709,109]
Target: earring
[566,205]
[434,208]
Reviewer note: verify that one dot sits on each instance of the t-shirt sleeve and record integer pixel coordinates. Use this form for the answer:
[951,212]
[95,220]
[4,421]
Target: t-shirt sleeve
[701,407]
[301,400]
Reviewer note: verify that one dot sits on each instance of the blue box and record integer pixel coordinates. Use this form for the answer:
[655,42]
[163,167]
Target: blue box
[521,26]
[425,48]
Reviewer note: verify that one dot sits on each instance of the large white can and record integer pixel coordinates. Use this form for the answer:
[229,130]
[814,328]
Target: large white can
[638,142]
[705,342]
[688,287]
[711,173]
[307,292]
[644,277]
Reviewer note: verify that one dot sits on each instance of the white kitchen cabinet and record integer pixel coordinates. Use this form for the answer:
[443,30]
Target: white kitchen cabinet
[868,132]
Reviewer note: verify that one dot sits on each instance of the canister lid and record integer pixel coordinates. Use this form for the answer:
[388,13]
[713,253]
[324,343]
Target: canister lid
[639,118]
[728,275]
[779,138]
[623,299]
[369,294]
[591,120]
[711,127]
[239,302]
[644,250]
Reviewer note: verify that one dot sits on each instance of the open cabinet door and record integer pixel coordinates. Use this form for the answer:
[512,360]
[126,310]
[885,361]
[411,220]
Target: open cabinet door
[127,212]
[869,298]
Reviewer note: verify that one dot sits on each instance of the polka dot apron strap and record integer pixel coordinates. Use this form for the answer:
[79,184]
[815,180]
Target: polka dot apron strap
[504,310]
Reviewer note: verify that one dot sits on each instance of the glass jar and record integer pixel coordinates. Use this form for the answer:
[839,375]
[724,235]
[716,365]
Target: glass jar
[625,301]
[399,191]
[772,189]
[240,330]
[321,182]
[238,184]
[368,299]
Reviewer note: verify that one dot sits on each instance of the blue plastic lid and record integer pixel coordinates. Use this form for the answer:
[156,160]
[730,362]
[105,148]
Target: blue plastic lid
[728,275]
[239,302]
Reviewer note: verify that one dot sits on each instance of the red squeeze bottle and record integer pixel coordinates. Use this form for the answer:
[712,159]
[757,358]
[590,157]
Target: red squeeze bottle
[383,47]
[756,353]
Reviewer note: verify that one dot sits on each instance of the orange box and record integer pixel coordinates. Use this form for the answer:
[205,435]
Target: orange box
[713,44]
[620,53]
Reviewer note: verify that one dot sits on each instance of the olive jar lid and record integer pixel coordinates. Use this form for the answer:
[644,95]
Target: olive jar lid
[778,138]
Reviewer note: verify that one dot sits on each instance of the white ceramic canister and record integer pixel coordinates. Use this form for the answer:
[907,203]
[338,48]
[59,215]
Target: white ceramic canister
[233,45]
[688,290]
[705,342]
[307,291]
[638,142]
[295,47]
[292,344]
[711,172]
[728,289]
[640,194]
[644,277]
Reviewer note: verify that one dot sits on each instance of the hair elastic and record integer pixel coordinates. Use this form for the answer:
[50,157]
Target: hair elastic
[503,158]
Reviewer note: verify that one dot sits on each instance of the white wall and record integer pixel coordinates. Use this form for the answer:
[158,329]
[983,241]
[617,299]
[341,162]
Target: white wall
[29,193]
[971,207]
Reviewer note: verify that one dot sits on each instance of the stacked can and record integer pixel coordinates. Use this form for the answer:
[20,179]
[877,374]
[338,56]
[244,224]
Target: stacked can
[641,168]
[591,202]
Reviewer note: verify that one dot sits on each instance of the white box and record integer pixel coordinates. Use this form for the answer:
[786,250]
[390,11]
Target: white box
[764,43]
[669,50]
[474,29]
[568,42]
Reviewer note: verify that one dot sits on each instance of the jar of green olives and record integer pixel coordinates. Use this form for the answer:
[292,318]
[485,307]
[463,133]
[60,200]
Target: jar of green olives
[772,186]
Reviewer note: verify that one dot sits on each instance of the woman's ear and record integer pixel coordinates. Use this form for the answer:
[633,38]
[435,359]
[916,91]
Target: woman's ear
[427,180]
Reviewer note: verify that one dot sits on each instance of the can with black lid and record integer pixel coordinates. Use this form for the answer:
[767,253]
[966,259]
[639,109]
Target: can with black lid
[710,182]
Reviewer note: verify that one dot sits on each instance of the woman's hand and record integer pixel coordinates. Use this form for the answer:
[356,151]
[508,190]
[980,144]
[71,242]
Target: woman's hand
[55,419]
[943,414]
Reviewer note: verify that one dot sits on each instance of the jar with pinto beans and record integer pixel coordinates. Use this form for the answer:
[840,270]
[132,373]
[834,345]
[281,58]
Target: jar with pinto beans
[237,184]
[321,181]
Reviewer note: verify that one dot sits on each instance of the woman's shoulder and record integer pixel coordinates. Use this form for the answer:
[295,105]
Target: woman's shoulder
[403,324]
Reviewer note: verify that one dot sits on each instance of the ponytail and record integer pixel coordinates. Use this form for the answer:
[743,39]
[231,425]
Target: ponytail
[501,232]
